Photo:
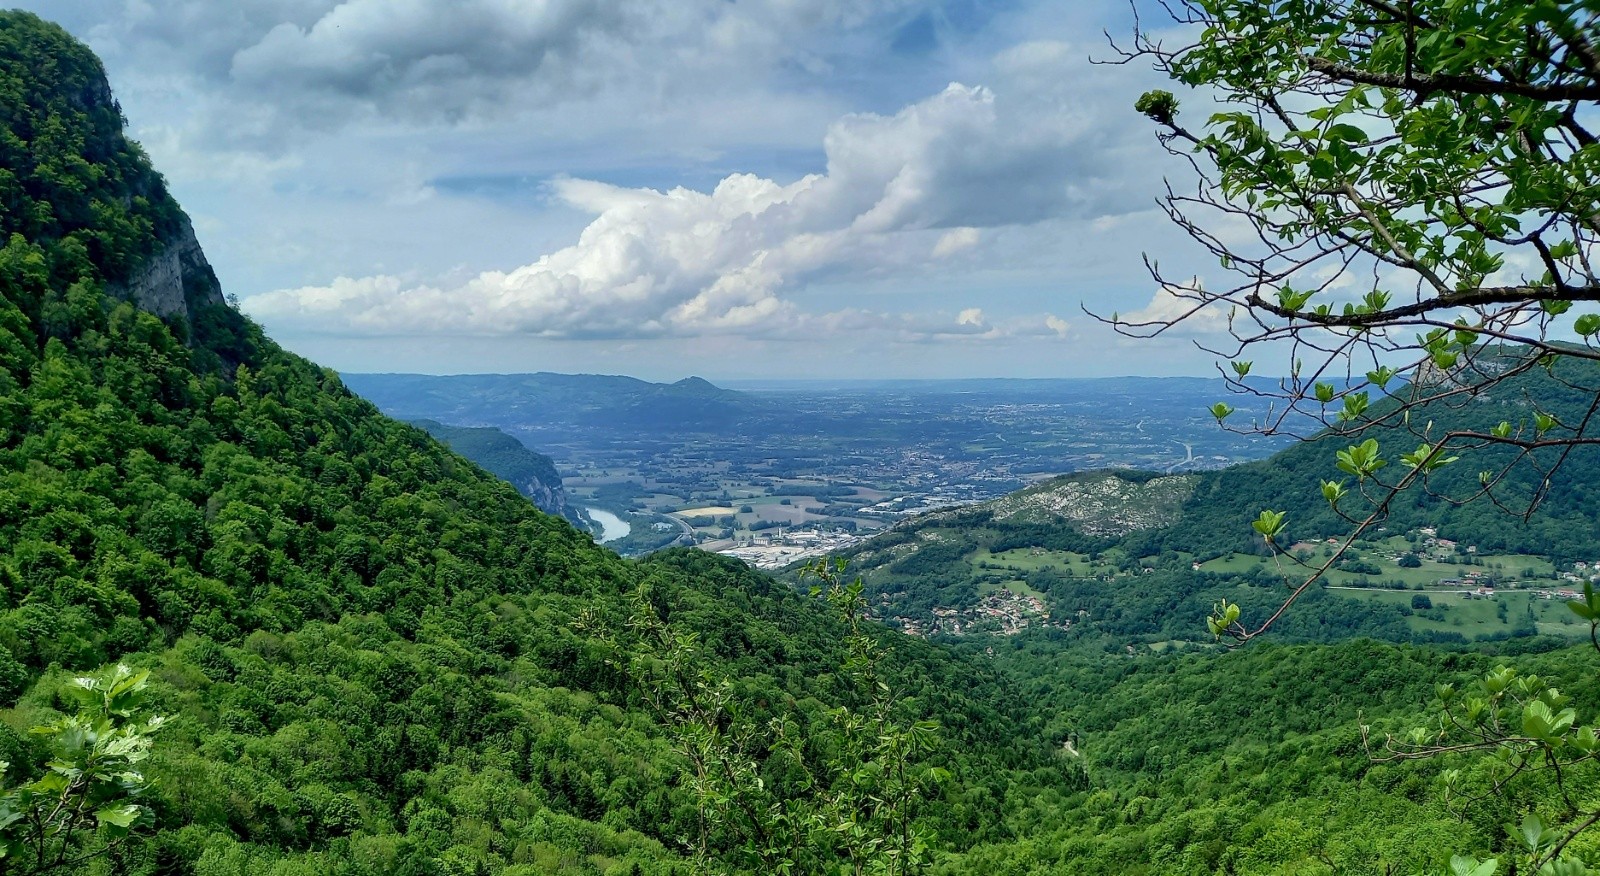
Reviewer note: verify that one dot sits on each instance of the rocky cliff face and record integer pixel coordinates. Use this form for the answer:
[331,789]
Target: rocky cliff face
[533,474]
[551,499]
[176,281]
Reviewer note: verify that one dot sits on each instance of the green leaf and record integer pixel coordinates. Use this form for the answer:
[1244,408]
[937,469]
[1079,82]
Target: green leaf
[1291,299]
[1462,865]
[1503,430]
[1347,133]
[1565,249]
[1545,725]
[1221,410]
[1324,392]
[1361,460]
[1160,106]
[1269,524]
[1588,607]
[1588,324]
[121,816]
[1241,368]
[1416,457]
[1532,830]
[1426,458]
[1223,615]
[1355,404]
[50,783]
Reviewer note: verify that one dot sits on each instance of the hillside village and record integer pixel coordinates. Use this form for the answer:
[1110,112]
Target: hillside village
[1000,613]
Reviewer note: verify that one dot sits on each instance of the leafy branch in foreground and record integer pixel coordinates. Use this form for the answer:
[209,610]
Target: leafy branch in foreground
[789,794]
[1404,201]
[1519,727]
[86,801]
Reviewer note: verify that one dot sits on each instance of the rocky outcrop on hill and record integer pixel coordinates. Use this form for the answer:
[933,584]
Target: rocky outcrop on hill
[176,281]
[533,474]
[1100,503]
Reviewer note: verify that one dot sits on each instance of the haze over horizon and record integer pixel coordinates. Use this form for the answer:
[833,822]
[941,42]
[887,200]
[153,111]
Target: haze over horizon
[894,189]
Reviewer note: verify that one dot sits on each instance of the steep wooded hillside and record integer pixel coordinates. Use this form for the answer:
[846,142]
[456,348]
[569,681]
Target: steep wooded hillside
[366,642]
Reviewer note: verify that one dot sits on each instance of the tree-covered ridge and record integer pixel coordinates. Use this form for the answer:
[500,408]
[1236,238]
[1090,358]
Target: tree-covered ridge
[366,644]
[1252,762]
[68,176]
[1565,521]
[81,210]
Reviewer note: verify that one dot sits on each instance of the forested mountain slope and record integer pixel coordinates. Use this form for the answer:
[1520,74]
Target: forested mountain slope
[1567,522]
[366,642]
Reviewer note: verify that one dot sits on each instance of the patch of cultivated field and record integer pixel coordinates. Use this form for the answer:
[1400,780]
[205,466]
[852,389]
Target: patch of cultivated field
[707,511]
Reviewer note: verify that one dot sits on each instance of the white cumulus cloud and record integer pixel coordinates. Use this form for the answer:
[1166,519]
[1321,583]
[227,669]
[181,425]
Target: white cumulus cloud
[956,240]
[739,258]
[1182,310]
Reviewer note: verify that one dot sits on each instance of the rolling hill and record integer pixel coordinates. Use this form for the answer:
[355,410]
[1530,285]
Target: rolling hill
[1144,556]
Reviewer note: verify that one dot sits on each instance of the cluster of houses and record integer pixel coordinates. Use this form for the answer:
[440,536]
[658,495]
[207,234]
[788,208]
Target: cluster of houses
[1472,584]
[774,551]
[1441,548]
[1002,612]
[1582,571]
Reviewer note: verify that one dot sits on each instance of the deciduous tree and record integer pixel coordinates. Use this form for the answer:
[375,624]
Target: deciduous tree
[1404,199]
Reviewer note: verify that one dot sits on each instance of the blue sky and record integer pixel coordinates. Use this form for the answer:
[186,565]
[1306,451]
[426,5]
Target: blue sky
[779,188]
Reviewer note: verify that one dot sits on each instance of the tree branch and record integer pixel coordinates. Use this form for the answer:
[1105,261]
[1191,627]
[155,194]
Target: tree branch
[1430,83]
[1467,298]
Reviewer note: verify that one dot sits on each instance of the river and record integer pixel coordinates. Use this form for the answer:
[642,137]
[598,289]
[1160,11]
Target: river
[612,527]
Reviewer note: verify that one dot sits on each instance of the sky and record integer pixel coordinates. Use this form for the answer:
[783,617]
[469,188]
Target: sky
[663,188]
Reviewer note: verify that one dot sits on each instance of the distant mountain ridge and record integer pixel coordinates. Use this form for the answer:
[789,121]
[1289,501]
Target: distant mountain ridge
[595,400]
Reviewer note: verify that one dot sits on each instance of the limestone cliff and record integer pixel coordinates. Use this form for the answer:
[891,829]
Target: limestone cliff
[176,281]
[533,474]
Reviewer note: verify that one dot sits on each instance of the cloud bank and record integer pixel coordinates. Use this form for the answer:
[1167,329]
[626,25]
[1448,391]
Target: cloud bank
[329,63]
[900,194]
